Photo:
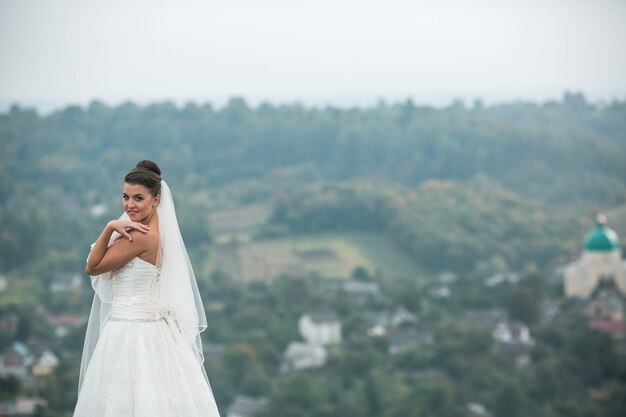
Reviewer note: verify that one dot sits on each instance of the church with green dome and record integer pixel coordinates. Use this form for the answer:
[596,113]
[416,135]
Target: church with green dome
[600,262]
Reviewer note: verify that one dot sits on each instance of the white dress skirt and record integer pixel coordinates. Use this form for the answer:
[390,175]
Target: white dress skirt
[141,366]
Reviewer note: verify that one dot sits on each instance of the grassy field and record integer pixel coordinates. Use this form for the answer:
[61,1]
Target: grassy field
[238,220]
[333,255]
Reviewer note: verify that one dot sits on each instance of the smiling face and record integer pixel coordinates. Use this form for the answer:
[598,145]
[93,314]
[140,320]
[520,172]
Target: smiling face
[138,203]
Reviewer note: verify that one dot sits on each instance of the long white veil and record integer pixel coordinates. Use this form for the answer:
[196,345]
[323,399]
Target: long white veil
[178,295]
[179,290]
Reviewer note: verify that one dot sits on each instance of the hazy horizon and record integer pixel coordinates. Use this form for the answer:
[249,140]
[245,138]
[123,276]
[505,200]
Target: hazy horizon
[48,107]
[347,53]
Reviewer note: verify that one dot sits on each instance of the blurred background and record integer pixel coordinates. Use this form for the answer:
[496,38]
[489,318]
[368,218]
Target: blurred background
[397,209]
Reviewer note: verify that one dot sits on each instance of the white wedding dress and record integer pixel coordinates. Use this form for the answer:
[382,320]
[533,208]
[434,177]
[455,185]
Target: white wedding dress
[141,366]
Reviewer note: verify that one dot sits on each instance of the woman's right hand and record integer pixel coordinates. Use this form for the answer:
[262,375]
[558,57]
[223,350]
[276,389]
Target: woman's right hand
[124,226]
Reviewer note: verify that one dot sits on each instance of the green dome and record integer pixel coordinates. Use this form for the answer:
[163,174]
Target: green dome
[601,239]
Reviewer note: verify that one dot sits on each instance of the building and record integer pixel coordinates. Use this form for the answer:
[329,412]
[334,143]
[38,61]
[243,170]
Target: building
[16,360]
[600,261]
[501,327]
[46,364]
[605,312]
[360,291]
[320,328]
[512,332]
[502,277]
[379,323]
[403,340]
[65,283]
[477,409]
[440,291]
[64,323]
[300,355]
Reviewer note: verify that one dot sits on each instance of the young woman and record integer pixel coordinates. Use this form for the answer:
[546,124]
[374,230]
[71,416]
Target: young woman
[143,353]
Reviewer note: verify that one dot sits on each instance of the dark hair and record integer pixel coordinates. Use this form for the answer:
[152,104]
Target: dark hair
[146,173]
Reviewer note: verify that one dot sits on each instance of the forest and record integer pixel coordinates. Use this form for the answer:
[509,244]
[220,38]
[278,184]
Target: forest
[467,191]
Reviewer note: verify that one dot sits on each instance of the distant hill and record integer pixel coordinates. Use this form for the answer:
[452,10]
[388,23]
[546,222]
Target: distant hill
[549,160]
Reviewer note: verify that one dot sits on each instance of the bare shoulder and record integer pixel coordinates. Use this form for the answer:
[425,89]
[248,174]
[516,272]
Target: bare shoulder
[149,242]
[150,238]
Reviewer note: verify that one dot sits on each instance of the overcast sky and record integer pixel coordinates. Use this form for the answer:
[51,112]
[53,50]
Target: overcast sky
[55,52]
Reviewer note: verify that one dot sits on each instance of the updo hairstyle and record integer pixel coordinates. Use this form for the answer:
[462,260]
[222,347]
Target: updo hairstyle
[146,173]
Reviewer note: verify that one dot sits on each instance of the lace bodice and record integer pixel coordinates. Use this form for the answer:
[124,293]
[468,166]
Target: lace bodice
[136,291]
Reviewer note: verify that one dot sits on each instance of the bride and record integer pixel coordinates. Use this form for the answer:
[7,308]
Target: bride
[143,353]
